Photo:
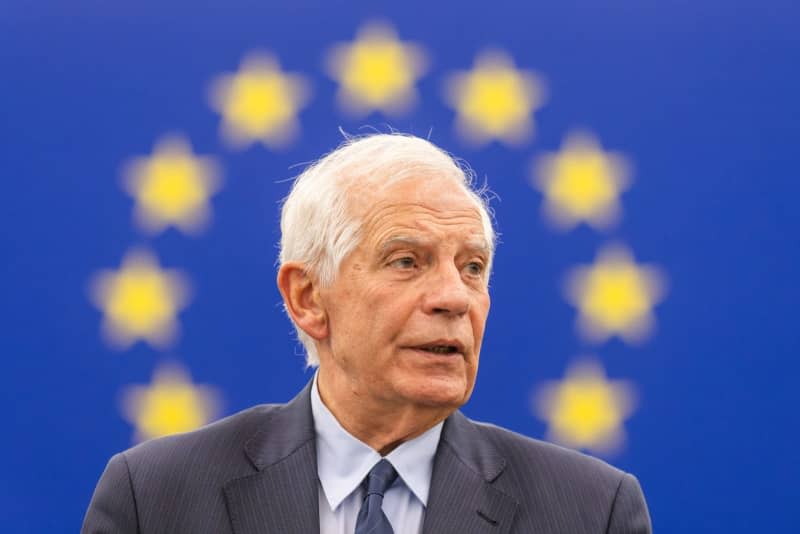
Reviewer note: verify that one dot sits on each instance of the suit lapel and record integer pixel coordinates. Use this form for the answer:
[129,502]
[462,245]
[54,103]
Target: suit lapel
[462,499]
[282,496]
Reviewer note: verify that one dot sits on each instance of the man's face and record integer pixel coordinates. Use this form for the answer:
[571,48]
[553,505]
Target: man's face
[408,307]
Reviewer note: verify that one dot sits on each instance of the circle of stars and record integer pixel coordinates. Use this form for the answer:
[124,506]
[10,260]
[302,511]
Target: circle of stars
[378,72]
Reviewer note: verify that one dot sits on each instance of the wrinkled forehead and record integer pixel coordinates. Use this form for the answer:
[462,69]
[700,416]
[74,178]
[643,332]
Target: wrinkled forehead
[441,189]
[420,203]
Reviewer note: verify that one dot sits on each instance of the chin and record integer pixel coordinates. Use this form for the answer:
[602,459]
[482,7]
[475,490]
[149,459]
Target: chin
[437,391]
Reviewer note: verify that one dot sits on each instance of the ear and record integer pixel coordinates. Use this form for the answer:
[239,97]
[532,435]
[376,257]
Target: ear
[301,297]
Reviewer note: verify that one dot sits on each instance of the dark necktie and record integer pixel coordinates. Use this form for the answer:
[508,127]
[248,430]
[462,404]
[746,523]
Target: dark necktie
[371,519]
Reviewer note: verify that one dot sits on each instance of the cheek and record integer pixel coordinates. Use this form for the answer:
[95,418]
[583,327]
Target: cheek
[479,317]
[387,309]
[367,323]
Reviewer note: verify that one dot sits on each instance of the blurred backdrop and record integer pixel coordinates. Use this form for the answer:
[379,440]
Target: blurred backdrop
[643,163]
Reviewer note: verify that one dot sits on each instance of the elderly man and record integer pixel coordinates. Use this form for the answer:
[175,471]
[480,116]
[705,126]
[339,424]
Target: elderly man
[385,258]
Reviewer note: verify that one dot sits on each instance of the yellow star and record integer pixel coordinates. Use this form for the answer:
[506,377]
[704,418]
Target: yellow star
[139,301]
[494,100]
[615,296]
[586,411]
[581,183]
[377,71]
[259,102]
[171,187]
[170,404]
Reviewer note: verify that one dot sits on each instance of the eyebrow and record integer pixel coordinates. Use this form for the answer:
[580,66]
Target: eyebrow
[475,245]
[400,240]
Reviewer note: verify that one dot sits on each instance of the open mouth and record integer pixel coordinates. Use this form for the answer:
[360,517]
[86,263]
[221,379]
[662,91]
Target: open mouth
[439,349]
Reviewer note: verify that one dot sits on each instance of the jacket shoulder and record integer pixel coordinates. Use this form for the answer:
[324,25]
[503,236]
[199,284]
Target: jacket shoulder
[556,467]
[218,447]
[174,483]
[562,490]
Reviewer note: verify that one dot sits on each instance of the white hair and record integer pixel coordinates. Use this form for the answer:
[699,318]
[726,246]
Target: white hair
[317,227]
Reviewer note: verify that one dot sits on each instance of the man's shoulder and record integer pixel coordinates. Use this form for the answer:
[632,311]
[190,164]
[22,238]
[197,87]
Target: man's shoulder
[560,490]
[222,441]
[532,459]
[172,484]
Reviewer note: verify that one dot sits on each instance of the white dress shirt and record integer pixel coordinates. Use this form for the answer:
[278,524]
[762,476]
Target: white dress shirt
[343,462]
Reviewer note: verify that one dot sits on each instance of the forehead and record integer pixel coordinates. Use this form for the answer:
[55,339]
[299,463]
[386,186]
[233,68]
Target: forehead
[432,206]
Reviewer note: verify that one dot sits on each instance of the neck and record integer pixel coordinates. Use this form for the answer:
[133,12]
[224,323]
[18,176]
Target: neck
[381,424]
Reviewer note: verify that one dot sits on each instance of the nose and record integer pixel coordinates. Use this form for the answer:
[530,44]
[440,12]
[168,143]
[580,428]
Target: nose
[447,293]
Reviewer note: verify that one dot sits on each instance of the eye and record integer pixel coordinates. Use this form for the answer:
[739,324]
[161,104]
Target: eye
[475,268]
[406,262]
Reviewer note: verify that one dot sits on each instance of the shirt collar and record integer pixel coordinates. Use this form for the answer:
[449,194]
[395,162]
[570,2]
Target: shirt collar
[343,461]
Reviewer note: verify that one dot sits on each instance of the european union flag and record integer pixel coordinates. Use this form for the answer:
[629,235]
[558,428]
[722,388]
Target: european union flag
[641,159]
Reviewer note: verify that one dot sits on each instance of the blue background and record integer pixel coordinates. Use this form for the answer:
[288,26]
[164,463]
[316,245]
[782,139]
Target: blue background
[701,96]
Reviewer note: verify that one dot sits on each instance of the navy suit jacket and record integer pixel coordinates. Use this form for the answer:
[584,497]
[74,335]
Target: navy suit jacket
[256,472]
